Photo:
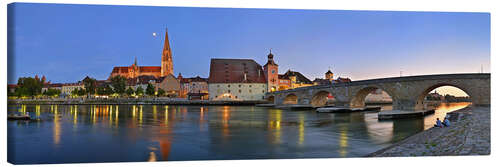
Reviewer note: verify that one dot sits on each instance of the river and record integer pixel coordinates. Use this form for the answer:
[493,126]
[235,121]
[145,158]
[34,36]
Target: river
[128,133]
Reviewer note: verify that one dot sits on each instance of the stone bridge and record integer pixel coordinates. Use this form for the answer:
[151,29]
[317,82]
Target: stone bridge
[408,93]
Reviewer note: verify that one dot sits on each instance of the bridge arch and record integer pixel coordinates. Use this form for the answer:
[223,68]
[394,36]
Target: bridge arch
[421,96]
[291,99]
[358,99]
[320,98]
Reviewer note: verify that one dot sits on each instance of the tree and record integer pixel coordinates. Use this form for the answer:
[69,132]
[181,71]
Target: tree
[75,92]
[100,90]
[28,86]
[81,92]
[139,91]
[52,92]
[161,92]
[130,91]
[119,84]
[150,90]
[90,85]
[108,90]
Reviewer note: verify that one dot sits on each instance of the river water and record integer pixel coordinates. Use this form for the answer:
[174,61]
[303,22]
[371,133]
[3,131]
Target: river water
[126,133]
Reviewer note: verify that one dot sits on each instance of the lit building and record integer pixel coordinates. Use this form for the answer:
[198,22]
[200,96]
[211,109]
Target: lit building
[328,79]
[134,70]
[271,73]
[169,84]
[193,88]
[67,88]
[277,82]
[236,79]
[296,79]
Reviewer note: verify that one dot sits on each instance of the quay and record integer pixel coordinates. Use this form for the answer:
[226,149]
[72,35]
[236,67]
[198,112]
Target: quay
[132,101]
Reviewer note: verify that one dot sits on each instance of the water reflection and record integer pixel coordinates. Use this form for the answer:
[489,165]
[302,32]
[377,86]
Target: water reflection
[162,132]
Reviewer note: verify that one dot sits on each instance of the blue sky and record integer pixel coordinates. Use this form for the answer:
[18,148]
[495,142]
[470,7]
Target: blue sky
[68,42]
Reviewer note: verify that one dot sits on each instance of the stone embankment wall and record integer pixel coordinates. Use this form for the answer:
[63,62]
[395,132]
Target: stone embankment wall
[469,134]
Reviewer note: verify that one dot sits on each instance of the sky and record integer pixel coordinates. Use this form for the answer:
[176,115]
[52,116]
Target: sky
[68,42]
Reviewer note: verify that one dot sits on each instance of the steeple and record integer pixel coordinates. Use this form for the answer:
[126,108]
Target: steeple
[135,61]
[270,60]
[166,58]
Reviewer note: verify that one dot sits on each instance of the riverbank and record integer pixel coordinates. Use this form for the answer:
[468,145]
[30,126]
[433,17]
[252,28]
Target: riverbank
[132,101]
[469,134]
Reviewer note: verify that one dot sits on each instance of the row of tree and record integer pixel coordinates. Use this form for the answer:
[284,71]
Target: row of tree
[28,86]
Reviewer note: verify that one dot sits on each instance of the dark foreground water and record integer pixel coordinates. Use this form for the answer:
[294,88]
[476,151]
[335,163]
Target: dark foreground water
[117,133]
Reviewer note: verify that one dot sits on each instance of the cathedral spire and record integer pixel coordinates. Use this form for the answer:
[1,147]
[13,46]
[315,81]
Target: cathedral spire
[135,61]
[166,58]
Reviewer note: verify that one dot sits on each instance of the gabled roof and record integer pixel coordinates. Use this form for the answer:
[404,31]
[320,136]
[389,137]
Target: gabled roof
[299,77]
[235,71]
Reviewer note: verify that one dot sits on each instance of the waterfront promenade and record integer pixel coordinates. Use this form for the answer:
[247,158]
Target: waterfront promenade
[117,101]
[469,134]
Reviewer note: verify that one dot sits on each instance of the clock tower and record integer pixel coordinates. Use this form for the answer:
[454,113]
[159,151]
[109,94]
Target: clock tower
[271,73]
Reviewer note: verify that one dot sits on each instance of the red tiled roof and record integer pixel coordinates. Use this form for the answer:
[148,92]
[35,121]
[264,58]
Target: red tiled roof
[234,70]
[141,69]
[149,68]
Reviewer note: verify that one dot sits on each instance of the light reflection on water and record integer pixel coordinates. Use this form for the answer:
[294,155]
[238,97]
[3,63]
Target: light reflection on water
[111,133]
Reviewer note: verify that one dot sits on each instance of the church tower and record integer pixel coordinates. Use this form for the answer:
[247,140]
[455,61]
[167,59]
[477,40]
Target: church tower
[271,73]
[167,67]
[329,75]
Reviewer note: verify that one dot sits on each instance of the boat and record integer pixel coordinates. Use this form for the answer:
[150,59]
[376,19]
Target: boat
[18,117]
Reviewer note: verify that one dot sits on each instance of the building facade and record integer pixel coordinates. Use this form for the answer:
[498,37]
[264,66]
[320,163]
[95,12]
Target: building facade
[236,79]
[271,73]
[295,79]
[169,84]
[135,70]
[191,87]
[67,88]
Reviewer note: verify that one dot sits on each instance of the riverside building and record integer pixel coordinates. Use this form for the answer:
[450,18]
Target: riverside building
[236,79]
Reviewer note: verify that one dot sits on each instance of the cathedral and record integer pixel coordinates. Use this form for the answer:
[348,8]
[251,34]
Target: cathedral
[134,70]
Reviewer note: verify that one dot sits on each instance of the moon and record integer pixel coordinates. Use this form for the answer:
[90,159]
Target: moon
[154,34]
